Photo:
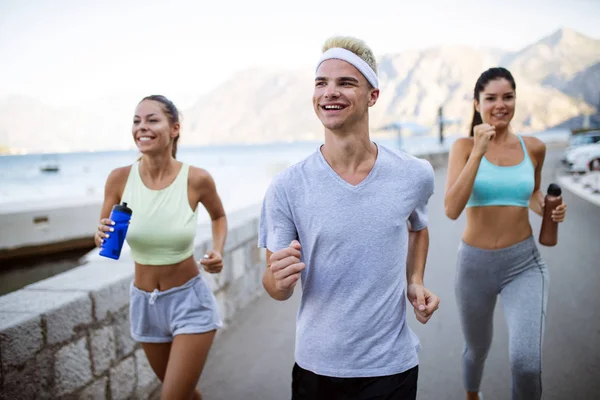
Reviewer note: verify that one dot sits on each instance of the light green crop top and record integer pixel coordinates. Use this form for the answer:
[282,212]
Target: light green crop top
[163,226]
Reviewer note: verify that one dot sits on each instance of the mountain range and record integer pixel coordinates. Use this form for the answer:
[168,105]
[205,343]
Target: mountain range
[558,80]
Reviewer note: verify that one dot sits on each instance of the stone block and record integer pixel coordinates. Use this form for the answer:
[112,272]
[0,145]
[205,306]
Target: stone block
[122,379]
[226,274]
[103,349]
[241,231]
[256,272]
[254,279]
[36,301]
[250,212]
[257,255]
[125,344]
[32,381]
[89,277]
[61,322]
[20,337]
[204,233]
[44,373]
[146,379]
[262,253]
[230,302]
[253,259]
[232,240]
[95,391]
[248,231]
[111,298]
[63,310]
[72,367]
[256,224]
[238,262]
[254,285]
[221,297]
[239,293]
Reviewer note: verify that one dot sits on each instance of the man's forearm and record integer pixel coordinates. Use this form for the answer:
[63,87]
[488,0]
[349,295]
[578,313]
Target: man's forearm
[418,245]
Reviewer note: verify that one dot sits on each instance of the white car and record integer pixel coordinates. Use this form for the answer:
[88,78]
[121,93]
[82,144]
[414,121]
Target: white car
[582,158]
[579,140]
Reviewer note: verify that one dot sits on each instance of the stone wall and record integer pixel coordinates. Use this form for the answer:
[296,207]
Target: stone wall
[68,336]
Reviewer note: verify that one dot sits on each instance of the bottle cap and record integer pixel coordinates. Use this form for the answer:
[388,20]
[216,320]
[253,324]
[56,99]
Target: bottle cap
[123,208]
[554,189]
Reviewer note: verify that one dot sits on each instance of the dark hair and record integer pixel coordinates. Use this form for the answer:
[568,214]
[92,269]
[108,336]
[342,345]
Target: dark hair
[485,78]
[170,111]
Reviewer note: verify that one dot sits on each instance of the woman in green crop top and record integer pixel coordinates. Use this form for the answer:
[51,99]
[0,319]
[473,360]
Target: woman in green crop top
[496,176]
[173,312]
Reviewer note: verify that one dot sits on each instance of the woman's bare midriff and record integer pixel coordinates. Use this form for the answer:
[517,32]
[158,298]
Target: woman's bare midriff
[164,277]
[496,227]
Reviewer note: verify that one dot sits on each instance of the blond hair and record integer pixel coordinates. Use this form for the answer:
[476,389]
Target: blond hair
[354,45]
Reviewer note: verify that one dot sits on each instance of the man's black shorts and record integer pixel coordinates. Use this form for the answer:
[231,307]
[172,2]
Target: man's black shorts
[307,385]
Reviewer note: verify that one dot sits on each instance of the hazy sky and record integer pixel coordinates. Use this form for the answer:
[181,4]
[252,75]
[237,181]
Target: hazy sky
[67,52]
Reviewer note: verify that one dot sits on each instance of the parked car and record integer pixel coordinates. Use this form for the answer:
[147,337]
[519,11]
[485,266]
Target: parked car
[580,159]
[579,140]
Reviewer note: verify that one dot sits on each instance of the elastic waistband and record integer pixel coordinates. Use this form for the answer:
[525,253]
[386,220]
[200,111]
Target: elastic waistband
[522,246]
[175,289]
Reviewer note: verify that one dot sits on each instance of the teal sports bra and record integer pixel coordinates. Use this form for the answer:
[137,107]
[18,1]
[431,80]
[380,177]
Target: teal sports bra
[503,186]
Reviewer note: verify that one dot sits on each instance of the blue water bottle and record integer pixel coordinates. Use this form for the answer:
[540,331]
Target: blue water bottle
[120,215]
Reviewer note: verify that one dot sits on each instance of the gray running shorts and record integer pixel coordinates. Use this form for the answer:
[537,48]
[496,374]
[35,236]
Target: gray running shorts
[157,317]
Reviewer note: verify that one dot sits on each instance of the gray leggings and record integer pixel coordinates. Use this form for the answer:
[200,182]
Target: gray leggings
[520,276]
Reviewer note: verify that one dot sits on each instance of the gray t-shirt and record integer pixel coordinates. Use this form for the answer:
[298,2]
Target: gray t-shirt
[351,321]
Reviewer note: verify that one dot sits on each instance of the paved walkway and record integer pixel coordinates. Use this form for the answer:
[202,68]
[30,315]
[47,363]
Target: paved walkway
[253,359]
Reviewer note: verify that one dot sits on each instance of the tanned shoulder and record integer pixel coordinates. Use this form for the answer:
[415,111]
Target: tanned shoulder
[463,146]
[201,180]
[117,179]
[199,177]
[536,147]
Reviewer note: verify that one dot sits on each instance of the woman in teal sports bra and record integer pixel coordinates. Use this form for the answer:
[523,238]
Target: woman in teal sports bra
[173,312]
[496,176]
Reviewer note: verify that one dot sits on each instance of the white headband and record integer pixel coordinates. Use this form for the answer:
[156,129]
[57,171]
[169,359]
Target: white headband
[342,54]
